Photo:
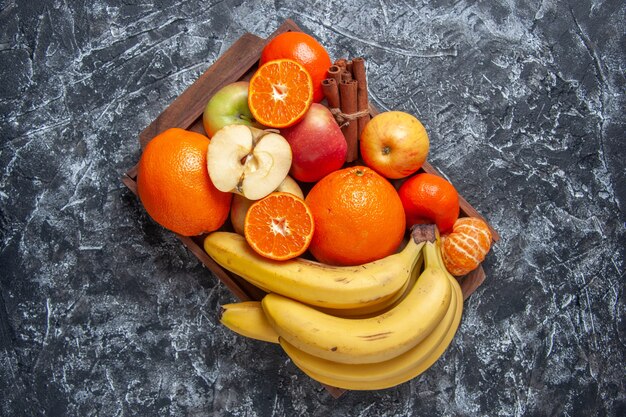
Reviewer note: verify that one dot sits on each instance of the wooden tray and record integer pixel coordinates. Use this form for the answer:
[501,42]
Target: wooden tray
[239,63]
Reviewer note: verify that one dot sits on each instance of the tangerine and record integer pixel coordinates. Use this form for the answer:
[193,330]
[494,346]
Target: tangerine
[466,247]
[358,217]
[303,49]
[280,93]
[279,226]
[173,184]
[429,198]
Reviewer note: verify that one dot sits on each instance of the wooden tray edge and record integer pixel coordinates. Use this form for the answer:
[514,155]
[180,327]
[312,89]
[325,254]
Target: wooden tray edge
[173,116]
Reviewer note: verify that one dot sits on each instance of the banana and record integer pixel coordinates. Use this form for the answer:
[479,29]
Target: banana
[378,308]
[408,373]
[380,370]
[247,319]
[314,283]
[369,340]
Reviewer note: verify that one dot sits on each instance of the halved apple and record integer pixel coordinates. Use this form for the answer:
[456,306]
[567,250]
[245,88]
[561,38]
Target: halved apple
[248,161]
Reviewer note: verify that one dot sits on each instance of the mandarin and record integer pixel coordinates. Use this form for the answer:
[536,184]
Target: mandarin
[279,226]
[429,198]
[304,49]
[280,93]
[358,217]
[173,184]
[466,247]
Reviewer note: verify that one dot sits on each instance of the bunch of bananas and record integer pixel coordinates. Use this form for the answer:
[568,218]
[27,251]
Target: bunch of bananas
[367,327]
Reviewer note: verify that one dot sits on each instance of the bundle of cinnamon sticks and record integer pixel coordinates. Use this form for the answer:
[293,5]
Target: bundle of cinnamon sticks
[346,92]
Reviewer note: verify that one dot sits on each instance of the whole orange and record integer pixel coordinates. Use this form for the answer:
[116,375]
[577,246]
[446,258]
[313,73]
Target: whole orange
[429,198]
[305,50]
[174,186]
[358,217]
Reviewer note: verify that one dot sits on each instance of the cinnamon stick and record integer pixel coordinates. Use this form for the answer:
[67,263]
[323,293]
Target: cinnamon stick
[348,97]
[349,65]
[335,72]
[341,62]
[331,92]
[346,76]
[358,69]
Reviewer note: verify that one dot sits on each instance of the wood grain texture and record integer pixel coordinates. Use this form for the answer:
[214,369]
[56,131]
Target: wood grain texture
[470,282]
[190,104]
[228,68]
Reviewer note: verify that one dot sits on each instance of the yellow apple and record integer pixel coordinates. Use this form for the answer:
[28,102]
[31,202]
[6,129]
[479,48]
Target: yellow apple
[394,144]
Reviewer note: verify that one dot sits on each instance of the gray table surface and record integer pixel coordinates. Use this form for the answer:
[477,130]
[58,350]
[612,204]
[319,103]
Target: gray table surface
[104,313]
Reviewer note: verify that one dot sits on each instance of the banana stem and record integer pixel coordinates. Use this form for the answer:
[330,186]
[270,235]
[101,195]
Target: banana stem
[424,233]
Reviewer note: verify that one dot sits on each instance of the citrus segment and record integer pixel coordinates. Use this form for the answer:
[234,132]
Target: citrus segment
[305,50]
[280,93]
[466,247]
[279,226]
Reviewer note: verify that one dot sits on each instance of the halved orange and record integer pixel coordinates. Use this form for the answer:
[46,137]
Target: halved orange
[280,93]
[279,226]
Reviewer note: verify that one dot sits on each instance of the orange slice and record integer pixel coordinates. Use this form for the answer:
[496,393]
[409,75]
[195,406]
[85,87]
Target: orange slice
[280,93]
[279,226]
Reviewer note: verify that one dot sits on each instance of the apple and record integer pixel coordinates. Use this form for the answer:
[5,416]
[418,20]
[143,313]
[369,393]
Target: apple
[394,144]
[317,143]
[248,161]
[228,106]
[240,204]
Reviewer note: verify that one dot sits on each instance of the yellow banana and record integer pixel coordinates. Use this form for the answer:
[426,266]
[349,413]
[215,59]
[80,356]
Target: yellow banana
[380,370]
[410,372]
[386,304]
[247,319]
[369,340]
[312,282]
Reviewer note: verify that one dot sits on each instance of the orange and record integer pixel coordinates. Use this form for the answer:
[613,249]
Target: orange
[358,217]
[304,49]
[280,93]
[279,226]
[466,247]
[174,186]
[428,198]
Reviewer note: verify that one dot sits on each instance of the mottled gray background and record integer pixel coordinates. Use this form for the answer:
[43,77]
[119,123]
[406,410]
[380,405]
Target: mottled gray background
[103,313]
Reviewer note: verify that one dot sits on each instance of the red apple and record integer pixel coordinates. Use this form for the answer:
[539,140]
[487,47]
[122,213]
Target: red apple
[318,147]
[394,144]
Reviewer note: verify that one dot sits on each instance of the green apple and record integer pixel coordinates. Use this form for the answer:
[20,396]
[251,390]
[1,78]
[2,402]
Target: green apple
[229,106]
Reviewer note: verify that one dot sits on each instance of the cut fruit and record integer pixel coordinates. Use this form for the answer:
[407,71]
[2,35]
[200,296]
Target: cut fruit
[248,161]
[280,93]
[279,226]
[240,205]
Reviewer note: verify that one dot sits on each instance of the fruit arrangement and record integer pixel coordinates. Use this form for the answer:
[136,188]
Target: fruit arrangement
[354,246]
